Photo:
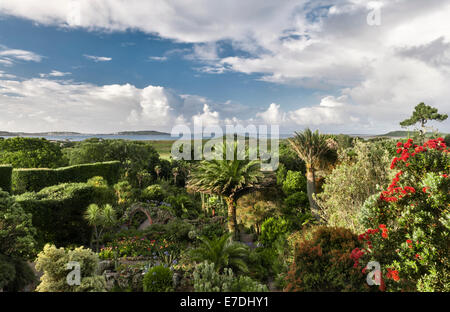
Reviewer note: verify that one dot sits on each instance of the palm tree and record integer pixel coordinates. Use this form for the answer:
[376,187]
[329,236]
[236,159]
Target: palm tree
[175,172]
[227,178]
[101,219]
[223,252]
[158,171]
[314,149]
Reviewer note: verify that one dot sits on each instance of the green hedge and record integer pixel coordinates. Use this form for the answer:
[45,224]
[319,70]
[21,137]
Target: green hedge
[33,180]
[58,213]
[5,177]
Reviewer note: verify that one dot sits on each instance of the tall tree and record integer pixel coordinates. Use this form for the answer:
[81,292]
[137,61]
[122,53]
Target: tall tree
[227,178]
[422,114]
[314,149]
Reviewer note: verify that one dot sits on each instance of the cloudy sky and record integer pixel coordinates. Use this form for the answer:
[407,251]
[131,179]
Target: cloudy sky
[348,66]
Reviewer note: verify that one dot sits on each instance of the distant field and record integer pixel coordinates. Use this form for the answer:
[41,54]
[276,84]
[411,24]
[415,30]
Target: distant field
[164,147]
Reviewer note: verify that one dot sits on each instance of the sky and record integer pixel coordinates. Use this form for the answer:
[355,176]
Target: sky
[101,66]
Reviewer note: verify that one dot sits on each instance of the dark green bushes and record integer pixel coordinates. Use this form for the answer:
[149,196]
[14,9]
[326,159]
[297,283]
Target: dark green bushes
[5,177]
[33,180]
[158,279]
[31,153]
[58,212]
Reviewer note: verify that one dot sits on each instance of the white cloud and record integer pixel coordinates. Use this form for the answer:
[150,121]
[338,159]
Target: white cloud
[10,56]
[373,76]
[158,58]
[97,58]
[54,73]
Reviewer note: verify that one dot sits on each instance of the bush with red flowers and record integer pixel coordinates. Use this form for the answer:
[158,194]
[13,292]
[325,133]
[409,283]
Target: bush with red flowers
[322,262]
[409,222]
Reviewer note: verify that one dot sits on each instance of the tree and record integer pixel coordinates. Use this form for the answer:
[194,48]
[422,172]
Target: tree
[221,251]
[31,153]
[315,150]
[422,114]
[360,170]
[227,178]
[101,219]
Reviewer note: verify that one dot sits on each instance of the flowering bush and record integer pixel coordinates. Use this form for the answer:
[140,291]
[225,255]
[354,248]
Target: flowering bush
[322,262]
[137,246]
[410,221]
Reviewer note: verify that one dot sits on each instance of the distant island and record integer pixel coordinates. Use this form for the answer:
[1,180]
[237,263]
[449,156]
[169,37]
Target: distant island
[63,133]
[403,134]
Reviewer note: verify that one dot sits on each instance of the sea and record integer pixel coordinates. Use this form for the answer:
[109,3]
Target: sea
[140,137]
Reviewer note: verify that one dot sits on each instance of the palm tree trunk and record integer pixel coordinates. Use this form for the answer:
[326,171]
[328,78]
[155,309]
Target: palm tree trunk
[232,220]
[311,189]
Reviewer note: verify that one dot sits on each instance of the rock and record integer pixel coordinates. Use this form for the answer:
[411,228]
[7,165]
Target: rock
[104,265]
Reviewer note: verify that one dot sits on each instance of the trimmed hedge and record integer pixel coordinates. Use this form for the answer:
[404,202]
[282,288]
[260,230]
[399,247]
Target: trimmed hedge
[5,177]
[35,179]
[58,213]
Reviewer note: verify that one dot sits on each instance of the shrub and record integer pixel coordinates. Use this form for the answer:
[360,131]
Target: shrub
[153,192]
[16,244]
[33,180]
[30,153]
[409,224]
[158,279]
[5,177]
[353,180]
[272,229]
[53,263]
[322,262]
[207,279]
[296,200]
[15,274]
[295,182]
[223,252]
[57,213]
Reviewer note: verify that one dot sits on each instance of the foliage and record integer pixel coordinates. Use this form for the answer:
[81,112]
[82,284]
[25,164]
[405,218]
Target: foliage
[294,182]
[322,262]
[16,244]
[315,150]
[33,180]
[124,193]
[296,200]
[101,219]
[57,213]
[134,156]
[207,279]
[23,152]
[228,178]
[153,192]
[422,114]
[138,245]
[16,229]
[221,251]
[272,229]
[53,263]
[409,225]
[353,180]
[158,279]
[5,177]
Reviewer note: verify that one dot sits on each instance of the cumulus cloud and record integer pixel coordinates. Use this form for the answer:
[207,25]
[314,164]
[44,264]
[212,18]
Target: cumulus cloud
[97,58]
[369,77]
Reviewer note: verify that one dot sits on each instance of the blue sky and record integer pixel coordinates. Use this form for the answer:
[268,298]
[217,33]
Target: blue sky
[139,65]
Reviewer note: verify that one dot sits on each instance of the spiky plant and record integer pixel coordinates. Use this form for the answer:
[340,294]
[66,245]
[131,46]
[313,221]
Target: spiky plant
[223,252]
